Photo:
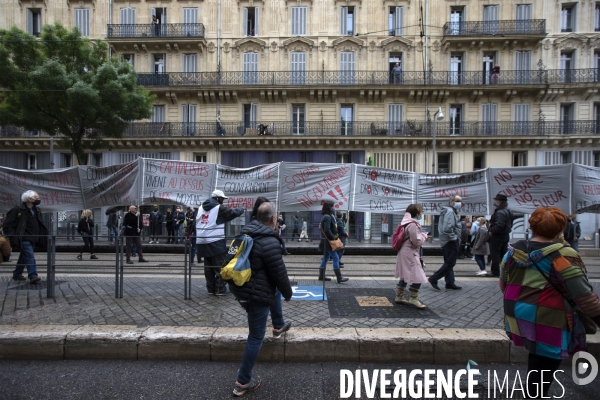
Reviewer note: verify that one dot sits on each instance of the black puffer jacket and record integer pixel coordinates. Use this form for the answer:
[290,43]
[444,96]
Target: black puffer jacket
[268,268]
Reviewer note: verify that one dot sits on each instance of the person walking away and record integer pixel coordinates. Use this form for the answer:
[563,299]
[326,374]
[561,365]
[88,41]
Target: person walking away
[540,279]
[572,232]
[449,229]
[178,220]
[304,231]
[281,229]
[329,229]
[256,296]
[481,247]
[210,238]
[86,229]
[500,228]
[468,245]
[25,229]
[112,224]
[5,249]
[133,230]
[473,231]
[342,234]
[408,260]
[463,237]
[169,224]
[156,221]
[296,227]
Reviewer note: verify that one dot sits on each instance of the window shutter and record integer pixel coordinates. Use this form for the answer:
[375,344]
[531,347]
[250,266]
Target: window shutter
[522,112]
[253,114]
[298,20]
[82,21]
[344,21]
[597,18]
[256,22]
[399,21]
[245,23]
[192,113]
[29,21]
[395,113]
[185,113]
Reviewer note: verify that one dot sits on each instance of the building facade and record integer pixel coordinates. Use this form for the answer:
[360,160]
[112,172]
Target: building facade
[249,82]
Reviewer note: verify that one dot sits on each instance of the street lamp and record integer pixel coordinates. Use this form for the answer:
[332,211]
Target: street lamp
[438,115]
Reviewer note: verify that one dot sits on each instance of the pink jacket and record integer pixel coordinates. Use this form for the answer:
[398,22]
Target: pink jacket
[408,263]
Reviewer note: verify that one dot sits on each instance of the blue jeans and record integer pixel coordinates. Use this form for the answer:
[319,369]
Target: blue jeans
[446,271]
[334,256]
[277,312]
[26,259]
[179,233]
[113,234]
[257,325]
[480,259]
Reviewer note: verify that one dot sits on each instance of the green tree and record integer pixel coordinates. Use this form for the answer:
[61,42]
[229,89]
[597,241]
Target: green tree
[68,87]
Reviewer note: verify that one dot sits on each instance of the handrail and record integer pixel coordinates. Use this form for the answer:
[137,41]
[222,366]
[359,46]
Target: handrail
[154,30]
[495,28]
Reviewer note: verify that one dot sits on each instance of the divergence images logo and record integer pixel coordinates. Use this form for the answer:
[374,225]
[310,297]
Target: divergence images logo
[584,364]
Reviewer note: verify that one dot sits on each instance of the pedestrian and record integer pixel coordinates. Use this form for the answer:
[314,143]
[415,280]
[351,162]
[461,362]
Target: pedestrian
[178,220]
[329,229]
[169,226]
[464,234]
[468,243]
[481,247]
[500,226]
[86,229]
[210,238]
[281,229]
[397,74]
[449,229]
[25,229]
[192,237]
[5,249]
[540,280]
[257,296]
[473,232]
[408,261]
[112,224]
[304,231]
[572,232]
[155,228]
[133,230]
[296,227]
[342,235]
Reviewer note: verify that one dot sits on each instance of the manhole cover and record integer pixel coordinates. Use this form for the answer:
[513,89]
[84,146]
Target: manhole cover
[28,286]
[370,303]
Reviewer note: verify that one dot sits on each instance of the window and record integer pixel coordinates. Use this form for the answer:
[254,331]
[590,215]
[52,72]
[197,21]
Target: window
[82,21]
[66,160]
[567,119]
[188,112]
[298,21]
[519,159]
[158,18]
[127,22]
[200,157]
[95,159]
[347,21]
[250,116]
[597,18]
[565,157]
[298,119]
[523,67]
[521,119]
[305,156]
[456,20]
[189,62]
[347,67]
[31,161]
[395,116]
[347,116]
[597,118]
[523,23]
[130,58]
[455,119]
[250,27]
[489,61]
[596,159]
[478,161]
[342,158]
[32,133]
[250,69]
[396,77]
[490,18]
[158,63]
[34,21]
[443,163]
[567,66]
[298,67]
[568,16]
[190,21]
[158,114]
[489,115]
[396,21]
[456,68]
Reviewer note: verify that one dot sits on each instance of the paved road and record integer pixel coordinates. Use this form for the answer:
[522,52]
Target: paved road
[211,380]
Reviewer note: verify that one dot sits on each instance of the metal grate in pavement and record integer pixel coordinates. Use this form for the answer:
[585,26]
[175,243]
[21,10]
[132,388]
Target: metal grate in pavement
[343,303]
[28,286]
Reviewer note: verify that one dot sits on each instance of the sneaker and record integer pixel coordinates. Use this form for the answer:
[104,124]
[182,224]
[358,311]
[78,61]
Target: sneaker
[481,273]
[472,258]
[19,278]
[93,257]
[240,390]
[80,257]
[221,292]
[142,260]
[156,242]
[278,332]
[416,303]
[35,279]
[129,262]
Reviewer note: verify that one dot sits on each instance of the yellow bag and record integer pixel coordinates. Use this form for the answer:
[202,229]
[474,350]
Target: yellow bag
[236,266]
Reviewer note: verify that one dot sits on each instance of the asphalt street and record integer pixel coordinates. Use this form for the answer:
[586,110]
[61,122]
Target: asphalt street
[212,380]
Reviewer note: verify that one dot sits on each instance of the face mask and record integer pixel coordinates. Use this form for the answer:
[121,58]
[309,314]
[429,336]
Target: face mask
[37,202]
[496,205]
[156,209]
[457,205]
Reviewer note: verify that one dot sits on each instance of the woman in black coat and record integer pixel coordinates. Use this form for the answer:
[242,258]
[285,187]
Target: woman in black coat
[86,230]
[170,230]
[330,230]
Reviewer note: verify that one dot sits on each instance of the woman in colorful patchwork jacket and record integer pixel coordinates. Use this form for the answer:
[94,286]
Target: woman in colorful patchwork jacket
[537,316]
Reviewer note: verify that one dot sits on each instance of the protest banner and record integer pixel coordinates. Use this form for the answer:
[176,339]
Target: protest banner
[586,189]
[434,192]
[176,182]
[528,188]
[304,186]
[117,185]
[59,189]
[243,185]
[382,190]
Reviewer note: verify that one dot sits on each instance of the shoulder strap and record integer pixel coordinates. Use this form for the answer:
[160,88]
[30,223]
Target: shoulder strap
[564,294]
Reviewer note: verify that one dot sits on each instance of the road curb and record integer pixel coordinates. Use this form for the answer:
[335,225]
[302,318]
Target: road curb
[377,345]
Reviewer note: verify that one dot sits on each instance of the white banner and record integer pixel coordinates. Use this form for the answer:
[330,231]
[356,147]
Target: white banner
[117,185]
[243,186]
[586,189]
[382,190]
[434,192]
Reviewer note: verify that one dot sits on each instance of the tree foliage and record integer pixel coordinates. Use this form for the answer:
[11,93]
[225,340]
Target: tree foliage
[68,87]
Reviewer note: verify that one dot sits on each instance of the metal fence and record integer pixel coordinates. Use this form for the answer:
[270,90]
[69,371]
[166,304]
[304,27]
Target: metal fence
[154,30]
[507,27]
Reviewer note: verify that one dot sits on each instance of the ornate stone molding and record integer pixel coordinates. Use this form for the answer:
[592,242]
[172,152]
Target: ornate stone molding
[298,43]
[250,44]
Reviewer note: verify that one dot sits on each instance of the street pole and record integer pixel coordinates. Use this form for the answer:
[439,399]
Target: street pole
[438,114]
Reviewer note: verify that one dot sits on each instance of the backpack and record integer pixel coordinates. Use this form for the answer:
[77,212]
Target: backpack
[398,237]
[236,266]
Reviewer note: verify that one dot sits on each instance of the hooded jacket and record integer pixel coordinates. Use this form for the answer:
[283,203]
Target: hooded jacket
[268,268]
[225,214]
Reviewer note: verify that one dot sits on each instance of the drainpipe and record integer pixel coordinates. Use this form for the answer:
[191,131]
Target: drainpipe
[218,104]
[426,50]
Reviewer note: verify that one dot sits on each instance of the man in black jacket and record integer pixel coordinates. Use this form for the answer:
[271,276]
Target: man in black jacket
[210,238]
[500,226]
[25,228]
[572,232]
[258,294]
[133,229]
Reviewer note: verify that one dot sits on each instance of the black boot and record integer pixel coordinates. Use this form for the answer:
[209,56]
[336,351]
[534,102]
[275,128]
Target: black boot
[322,276]
[338,274]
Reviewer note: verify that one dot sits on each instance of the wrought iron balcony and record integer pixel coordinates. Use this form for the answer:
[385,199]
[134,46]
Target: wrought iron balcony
[496,28]
[378,78]
[155,31]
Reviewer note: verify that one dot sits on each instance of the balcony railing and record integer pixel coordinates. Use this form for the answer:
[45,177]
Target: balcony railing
[343,128]
[493,28]
[410,78]
[155,31]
